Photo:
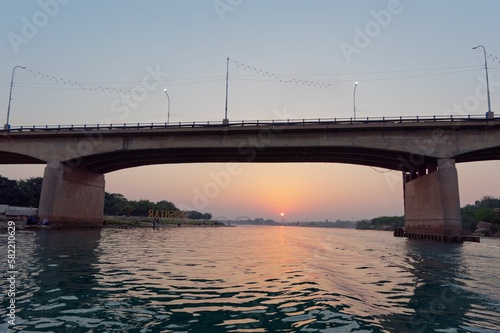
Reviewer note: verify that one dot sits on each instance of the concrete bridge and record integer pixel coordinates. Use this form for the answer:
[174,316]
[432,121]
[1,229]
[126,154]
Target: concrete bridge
[424,149]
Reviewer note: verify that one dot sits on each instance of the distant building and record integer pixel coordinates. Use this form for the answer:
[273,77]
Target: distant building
[19,213]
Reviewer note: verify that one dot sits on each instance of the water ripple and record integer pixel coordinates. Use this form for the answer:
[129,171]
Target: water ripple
[252,279]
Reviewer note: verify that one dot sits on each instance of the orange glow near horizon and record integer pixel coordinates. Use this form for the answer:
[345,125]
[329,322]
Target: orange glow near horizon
[305,191]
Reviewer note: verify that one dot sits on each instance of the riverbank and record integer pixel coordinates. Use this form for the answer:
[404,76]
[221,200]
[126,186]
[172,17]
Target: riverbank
[147,222]
[125,222]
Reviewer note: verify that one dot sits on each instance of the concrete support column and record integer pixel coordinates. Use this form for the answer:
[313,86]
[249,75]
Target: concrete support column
[432,204]
[71,197]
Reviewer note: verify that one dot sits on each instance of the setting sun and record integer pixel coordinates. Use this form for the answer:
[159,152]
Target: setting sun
[282,214]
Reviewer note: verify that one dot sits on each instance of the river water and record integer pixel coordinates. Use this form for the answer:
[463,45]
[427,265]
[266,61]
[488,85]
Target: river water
[250,279]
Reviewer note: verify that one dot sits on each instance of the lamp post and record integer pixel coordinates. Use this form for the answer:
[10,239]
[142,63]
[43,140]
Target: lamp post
[168,110]
[225,120]
[354,98]
[7,126]
[487,81]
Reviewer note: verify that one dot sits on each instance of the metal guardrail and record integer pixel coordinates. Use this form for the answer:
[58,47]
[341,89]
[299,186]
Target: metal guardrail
[243,123]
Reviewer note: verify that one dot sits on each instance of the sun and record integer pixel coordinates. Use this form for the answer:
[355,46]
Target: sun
[282,214]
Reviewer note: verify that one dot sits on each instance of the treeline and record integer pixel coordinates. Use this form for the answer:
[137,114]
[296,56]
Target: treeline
[117,204]
[26,193]
[23,193]
[382,223]
[256,221]
[482,210]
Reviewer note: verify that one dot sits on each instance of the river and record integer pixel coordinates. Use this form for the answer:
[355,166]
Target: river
[249,279]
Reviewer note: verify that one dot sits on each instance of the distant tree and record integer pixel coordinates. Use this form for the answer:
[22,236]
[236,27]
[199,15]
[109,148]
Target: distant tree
[140,207]
[32,189]
[165,205]
[258,220]
[343,224]
[388,221]
[116,204]
[364,225]
[194,215]
[485,214]
[11,193]
[469,217]
[382,222]
[490,202]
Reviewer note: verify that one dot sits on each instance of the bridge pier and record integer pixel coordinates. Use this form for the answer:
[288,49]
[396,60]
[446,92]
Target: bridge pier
[432,203]
[71,197]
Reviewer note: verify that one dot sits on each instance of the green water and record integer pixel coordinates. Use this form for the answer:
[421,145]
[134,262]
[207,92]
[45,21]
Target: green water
[250,279]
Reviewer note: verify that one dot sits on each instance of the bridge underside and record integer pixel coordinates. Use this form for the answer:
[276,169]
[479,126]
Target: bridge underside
[14,158]
[75,196]
[489,154]
[109,162]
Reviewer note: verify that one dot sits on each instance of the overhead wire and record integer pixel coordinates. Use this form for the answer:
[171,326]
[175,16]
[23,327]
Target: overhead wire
[409,76]
[388,72]
[259,75]
[325,84]
[79,85]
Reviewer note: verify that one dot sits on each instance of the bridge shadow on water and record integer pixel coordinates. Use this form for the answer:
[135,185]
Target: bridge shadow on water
[59,288]
[441,300]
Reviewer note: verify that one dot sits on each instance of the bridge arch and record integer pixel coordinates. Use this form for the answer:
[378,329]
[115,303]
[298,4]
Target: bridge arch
[7,157]
[117,160]
[486,154]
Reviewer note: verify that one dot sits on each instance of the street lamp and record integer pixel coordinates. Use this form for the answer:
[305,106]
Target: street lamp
[7,126]
[354,98]
[168,112]
[487,81]
[225,120]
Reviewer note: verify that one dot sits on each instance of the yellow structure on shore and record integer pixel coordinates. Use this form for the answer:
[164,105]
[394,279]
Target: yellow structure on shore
[177,214]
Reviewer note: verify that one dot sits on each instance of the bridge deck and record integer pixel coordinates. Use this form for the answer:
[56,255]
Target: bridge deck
[391,143]
[372,122]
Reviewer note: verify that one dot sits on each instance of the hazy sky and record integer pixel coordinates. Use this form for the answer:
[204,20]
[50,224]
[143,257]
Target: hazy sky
[409,57]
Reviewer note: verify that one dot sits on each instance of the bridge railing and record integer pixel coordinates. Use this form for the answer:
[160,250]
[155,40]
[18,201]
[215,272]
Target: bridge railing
[242,123]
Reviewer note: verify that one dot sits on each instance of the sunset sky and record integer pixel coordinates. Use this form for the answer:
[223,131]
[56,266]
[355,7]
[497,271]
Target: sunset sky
[84,59]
